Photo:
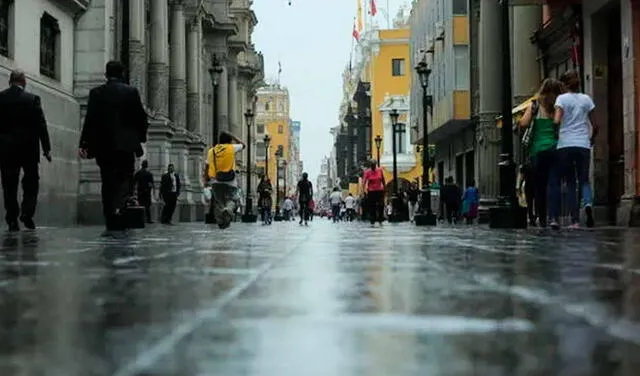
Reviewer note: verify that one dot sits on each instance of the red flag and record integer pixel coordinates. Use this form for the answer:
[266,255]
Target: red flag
[355,33]
[373,7]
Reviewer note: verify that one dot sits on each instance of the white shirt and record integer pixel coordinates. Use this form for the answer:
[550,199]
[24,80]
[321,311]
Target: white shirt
[575,129]
[336,198]
[350,202]
[288,204]
[174,185]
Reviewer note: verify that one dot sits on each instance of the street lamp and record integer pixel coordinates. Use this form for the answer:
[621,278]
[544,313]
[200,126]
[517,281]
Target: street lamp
[394,200]
[508,214]
[267,141]
[248,216]
[284,175]
[215,71]
[378,141]
[425,216]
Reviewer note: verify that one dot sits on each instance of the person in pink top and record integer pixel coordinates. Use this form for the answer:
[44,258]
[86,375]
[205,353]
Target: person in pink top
[373,181]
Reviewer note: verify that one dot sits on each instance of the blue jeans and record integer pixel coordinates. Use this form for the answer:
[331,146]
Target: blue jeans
[572,168]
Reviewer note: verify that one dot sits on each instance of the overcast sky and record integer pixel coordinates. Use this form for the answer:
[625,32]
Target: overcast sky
[312,39]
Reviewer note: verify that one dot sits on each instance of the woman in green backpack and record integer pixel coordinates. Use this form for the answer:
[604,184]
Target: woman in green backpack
[542,141]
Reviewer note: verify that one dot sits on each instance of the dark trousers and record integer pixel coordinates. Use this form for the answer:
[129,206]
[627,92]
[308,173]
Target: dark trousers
[452,210]
[335,212]
[541,164]
[375,201]
[116,172]
[170,202]
[304,211]
[10,174]
[144,199]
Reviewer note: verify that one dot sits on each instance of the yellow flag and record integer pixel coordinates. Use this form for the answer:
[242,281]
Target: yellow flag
[359,25]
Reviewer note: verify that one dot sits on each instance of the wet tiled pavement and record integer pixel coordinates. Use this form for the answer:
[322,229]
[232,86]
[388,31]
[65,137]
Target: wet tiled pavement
[335,300]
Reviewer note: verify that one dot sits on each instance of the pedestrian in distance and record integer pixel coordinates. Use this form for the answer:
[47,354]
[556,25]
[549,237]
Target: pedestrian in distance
[451,196]
[170,187]
[23,131]
[350,205]
[115,127]
[144,188]
[470,202]
[541,144]
[577,131]
[373,185]
[305,196]
[412,200]
[336,204]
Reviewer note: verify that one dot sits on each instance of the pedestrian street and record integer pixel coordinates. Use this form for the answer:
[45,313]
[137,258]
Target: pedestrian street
[327,299]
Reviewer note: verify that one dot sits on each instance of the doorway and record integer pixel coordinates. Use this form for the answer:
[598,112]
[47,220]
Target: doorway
[469,167]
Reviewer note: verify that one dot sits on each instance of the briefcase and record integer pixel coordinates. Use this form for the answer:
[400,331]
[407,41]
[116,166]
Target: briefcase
[134,216]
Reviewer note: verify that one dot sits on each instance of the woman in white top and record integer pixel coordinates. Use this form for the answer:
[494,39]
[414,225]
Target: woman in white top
[576,133]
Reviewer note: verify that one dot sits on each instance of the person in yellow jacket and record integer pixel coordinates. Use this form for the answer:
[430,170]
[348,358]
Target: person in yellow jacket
[220,173]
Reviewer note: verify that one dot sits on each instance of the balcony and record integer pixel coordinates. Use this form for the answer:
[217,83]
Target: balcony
[219,17]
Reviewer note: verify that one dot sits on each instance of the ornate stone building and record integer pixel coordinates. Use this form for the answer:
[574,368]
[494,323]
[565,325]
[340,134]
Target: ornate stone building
[190,59]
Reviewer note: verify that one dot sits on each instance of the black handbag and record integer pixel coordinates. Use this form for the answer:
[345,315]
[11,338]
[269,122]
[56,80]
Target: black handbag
[223,176]
[526,137]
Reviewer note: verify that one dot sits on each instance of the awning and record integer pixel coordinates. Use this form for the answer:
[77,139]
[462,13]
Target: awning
[517,111]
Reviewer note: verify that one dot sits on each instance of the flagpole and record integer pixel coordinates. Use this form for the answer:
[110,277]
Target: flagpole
[388,19]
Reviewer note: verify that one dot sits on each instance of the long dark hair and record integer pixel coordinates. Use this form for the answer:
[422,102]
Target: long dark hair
[549,91]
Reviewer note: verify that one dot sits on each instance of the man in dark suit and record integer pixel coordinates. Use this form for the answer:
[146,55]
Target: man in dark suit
[115,126]
[143,180]
[169,193]
[23,129]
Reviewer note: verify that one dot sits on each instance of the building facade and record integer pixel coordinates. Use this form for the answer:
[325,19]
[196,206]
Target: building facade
[440,36]
[272,119]
[294,163]
[168,48]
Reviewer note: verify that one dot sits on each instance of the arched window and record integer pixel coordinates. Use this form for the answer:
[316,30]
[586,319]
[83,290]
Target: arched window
[49,46]
[6,26]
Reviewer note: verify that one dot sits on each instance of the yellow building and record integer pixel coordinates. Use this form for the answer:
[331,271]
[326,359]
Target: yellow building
[272,119]
[389,72]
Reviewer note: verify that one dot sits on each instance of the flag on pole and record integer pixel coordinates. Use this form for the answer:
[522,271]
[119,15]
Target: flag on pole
[355,32]
[373,8]
[359,22]
[279,67]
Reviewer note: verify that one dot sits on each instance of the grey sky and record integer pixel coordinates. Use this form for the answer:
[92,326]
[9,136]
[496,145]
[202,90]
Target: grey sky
[312,39]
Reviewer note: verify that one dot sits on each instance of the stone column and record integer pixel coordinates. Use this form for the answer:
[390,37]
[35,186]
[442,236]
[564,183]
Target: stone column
[222,99]
[193,76]
[159,60]
[490,78]
[178,70]
[526,70]
[234,108]
[137,53]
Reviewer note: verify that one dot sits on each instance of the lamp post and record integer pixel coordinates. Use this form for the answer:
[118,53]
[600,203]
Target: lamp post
[267,141]
[508,214]
[394,200]
[284,178]
[215,71]
[378,141]
[425,216]
[248,216]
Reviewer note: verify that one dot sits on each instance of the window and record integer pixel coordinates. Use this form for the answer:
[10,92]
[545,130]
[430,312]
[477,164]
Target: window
[49,46]
[460,7]
[401,137]
[397,67]
[461,56]
[266,106]
[260,128]
[5,26]
[280,129]
[260,151]
[280,151]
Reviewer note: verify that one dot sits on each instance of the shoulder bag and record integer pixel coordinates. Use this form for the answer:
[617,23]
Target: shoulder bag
[526,137]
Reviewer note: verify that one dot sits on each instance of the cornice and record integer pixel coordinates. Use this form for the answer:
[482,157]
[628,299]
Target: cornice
[73,5]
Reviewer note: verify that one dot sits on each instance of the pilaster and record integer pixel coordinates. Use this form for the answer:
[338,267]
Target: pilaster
[158,60]
[526,69]
[193,76]
[222,97]
[178,70]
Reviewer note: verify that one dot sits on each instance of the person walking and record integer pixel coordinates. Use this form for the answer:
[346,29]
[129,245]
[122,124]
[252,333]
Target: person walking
[115,126]
[470,202]
[265,189]
[412,200]
[451,197]
[23,130]
[542,144]
[144,188]
[170,186]
[287,207]
[350,205]
[336,203]
[577,131]
[373,185]
[305,195]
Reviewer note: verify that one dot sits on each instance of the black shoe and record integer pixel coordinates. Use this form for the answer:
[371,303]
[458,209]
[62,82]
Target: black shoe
[13,226]
[28,223]
[590,221]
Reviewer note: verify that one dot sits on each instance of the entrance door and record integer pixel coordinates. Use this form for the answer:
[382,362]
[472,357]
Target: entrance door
[615,124]
[469,167]
[460,170]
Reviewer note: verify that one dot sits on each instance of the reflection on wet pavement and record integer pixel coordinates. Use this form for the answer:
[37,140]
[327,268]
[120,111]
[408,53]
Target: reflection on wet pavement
[324,300]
